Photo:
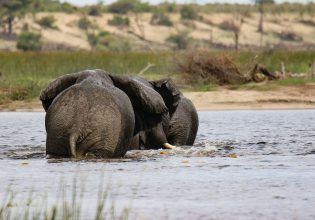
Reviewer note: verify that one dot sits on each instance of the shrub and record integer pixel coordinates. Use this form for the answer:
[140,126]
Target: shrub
[47,21]
[84,23]
[226,25]
[119,21]
[188,12]
[120,7]
[181,40]
[29,41]
[200,66]
[94,11]
[171,7]
[109,42]
[290,36]
[67,7]
[125,6]
[55,6]
[160,18]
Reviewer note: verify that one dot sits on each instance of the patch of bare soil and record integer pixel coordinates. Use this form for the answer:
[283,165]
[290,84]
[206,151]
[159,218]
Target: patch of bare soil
[22,106]
[290,97]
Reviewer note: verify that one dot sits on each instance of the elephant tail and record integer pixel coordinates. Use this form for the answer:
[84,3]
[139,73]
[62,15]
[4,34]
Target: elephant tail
[72,143]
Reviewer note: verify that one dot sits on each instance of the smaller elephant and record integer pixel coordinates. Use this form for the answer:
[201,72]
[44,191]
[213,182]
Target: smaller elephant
[183,124]
[178,126]
[150,128]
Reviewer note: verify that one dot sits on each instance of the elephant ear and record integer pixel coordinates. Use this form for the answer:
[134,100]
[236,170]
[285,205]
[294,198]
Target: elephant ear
[167,89]
[141,94]
[48,94]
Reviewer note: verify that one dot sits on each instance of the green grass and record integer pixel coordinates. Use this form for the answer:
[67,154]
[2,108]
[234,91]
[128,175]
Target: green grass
[200,88]
[35,206]
[24,74]
[291,82]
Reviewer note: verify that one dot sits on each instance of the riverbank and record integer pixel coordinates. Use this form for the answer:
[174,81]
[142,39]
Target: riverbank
[284,97]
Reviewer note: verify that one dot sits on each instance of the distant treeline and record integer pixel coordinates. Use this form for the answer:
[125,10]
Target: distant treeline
[125,6]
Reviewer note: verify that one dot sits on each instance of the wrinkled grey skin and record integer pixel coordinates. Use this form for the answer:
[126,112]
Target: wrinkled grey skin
[178,126]
[88,114]
[150,128]
[183,124]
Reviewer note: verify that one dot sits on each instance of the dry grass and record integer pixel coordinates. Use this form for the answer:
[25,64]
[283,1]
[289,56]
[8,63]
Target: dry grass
[201,66]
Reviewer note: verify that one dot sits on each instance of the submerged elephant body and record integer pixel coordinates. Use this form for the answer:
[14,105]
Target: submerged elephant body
[183,124]
[183,118]
[92,116]
[95,113]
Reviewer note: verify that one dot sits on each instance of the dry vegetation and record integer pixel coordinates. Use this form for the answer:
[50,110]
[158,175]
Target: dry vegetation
[214,30]
[201,66]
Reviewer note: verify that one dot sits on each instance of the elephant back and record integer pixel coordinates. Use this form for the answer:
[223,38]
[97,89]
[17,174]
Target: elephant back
[98,119]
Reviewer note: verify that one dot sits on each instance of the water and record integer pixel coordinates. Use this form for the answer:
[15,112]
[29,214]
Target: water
[263,167]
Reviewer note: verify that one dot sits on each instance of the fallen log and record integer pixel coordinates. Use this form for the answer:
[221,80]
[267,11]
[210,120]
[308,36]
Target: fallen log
[258,68]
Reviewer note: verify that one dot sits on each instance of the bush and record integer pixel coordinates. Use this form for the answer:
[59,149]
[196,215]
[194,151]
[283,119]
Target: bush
[94,11]
[120,7]
[160,18]
[290,36]
[109,42]
[188,12]
[56,6]
[29,41]
[181,40]
[200,66]
[119,21]
[125,6]
[226,25]
[47,21]
[84,23]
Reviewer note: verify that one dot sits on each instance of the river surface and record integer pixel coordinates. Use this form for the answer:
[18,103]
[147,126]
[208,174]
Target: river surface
[244,165]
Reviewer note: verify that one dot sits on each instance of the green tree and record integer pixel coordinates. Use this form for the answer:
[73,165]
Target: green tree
[188,12]
[125,6]
[181,40]
[47,21]
[14,8]
[261,4]
[29,41]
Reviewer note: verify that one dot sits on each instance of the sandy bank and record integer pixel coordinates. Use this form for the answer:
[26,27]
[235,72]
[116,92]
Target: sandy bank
[298,97]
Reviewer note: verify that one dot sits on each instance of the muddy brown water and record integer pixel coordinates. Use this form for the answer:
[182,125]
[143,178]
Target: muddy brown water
[244,165]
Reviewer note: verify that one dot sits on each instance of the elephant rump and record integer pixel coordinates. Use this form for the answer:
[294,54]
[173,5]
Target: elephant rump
[89,119]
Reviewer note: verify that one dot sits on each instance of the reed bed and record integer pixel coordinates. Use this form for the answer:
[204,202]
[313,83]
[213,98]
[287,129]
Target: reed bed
[24,74]
[69,204]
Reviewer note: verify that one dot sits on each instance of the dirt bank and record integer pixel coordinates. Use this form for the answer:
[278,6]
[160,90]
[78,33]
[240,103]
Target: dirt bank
[297,97]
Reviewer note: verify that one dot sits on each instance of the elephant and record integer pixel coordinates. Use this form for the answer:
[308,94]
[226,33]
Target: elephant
[184,122]
[150,129]
[178,126]
[95,113]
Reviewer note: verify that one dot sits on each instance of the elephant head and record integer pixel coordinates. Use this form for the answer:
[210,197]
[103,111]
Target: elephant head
[169,92]
[93,113]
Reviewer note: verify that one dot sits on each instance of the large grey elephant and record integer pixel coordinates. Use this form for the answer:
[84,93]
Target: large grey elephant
[95,113]
[183,122]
